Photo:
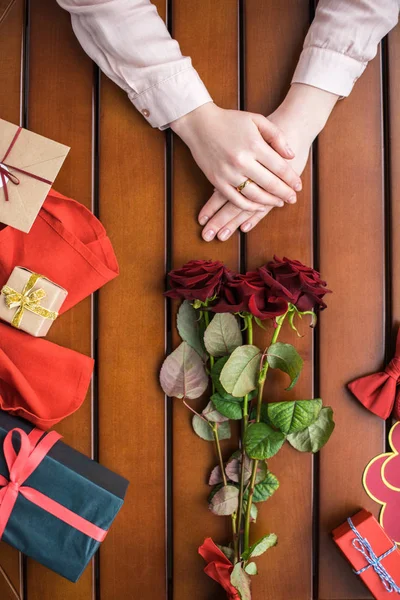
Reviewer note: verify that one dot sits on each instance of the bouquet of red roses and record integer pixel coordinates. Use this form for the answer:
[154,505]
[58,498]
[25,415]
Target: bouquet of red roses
[219,308]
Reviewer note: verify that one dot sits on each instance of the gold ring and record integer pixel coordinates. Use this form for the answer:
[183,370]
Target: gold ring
[241,187]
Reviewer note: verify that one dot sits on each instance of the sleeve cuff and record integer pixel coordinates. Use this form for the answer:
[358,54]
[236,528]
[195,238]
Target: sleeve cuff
[328,70]
[172,98]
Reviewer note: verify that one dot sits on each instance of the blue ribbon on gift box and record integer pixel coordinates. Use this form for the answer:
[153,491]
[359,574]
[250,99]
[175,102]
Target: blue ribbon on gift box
[362,545]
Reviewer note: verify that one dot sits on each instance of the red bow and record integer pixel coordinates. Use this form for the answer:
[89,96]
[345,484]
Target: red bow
[378,392]
[5,173]
[21,465]
[219,567]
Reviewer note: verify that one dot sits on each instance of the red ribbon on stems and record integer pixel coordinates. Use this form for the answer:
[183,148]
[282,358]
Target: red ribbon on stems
[218,567]
[378,392]
[34,448]
[5,173]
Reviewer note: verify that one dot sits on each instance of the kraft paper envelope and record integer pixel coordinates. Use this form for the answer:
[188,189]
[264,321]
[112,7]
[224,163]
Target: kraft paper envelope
[38,157]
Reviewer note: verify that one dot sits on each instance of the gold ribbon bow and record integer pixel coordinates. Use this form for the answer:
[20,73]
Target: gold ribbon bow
[28,299]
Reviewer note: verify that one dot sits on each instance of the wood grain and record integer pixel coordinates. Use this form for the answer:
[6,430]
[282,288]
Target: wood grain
[131,346]
[10,109]
[285,232]
[212,44]
[352,329]
[60,107]
[394,163]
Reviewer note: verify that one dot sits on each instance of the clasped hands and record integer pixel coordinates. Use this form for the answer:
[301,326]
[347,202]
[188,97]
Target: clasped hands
[232,146]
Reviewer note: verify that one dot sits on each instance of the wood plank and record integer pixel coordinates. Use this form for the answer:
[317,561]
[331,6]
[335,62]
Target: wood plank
[352,329]
[131,346]
[394,128]
[11,21]
[209,36]
[60,107]
[277,36]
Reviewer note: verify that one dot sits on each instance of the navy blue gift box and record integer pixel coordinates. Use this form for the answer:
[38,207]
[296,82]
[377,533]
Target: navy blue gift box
[73,480]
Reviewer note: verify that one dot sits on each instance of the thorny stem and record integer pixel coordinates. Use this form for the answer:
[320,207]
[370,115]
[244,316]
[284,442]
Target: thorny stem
[263,376]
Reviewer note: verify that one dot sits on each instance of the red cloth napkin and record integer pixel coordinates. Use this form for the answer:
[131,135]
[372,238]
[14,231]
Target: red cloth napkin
[41,381]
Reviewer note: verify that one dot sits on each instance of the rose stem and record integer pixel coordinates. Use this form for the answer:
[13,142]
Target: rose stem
[263,376]
[214,428]
[249,321]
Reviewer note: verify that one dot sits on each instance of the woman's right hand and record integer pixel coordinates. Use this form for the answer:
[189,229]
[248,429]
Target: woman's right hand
[231,146]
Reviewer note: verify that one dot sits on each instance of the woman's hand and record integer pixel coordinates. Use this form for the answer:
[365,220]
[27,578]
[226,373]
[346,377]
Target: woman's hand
[232,146]
[300,117]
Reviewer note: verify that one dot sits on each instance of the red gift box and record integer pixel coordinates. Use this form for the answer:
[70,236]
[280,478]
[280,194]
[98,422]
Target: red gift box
[372,554]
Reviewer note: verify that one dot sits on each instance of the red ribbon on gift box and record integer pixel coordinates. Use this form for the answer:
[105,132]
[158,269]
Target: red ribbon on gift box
[5,173]
[34,448]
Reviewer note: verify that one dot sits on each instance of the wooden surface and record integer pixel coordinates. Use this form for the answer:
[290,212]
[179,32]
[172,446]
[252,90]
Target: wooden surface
[147,191]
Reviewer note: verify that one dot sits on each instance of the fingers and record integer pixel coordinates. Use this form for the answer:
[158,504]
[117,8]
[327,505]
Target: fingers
[270,183]
[278,166]
[217,224]
[249,224]
[238,198]
[211,207]
[273,136]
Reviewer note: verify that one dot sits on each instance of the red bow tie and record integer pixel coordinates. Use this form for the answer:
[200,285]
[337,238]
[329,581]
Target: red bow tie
[378,392]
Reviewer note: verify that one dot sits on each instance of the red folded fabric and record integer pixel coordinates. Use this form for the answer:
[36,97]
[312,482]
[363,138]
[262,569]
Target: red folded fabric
[41,381]
[378,392]
[218,567]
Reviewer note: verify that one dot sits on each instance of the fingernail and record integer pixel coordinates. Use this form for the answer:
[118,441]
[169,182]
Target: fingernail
[209,235]
[203,220]
[281,204]
[298,187]
[246,227]
[225,233]
[292,199]
[290,151]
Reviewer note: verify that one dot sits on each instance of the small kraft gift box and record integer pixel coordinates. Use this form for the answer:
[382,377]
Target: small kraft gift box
[56,505]
[30,301]
[29,164]
[375,558]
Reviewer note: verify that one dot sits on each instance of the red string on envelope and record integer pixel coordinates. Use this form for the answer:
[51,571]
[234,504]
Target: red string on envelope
[5,173]
[34,448]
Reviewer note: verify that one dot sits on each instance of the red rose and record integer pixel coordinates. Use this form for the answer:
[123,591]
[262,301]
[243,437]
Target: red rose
[299,284]
[248,293]
[196,280]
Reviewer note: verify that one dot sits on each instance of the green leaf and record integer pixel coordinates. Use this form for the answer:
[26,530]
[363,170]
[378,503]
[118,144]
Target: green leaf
[316,435]
[215,476]
[182,373]
[188,324]
[204,430]
[262,441]
[239,376]
[257,549]
[253,510]
[222,335]
[251,568]
[215,375]
[214,491]
[286,358]
[264,414]
[233,467]
[225,501]
[241,581]
[266,488]
[294,416]
[213,415]
[229,552]
[227,408]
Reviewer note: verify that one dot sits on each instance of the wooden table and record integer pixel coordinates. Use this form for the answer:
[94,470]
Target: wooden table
[147,191]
